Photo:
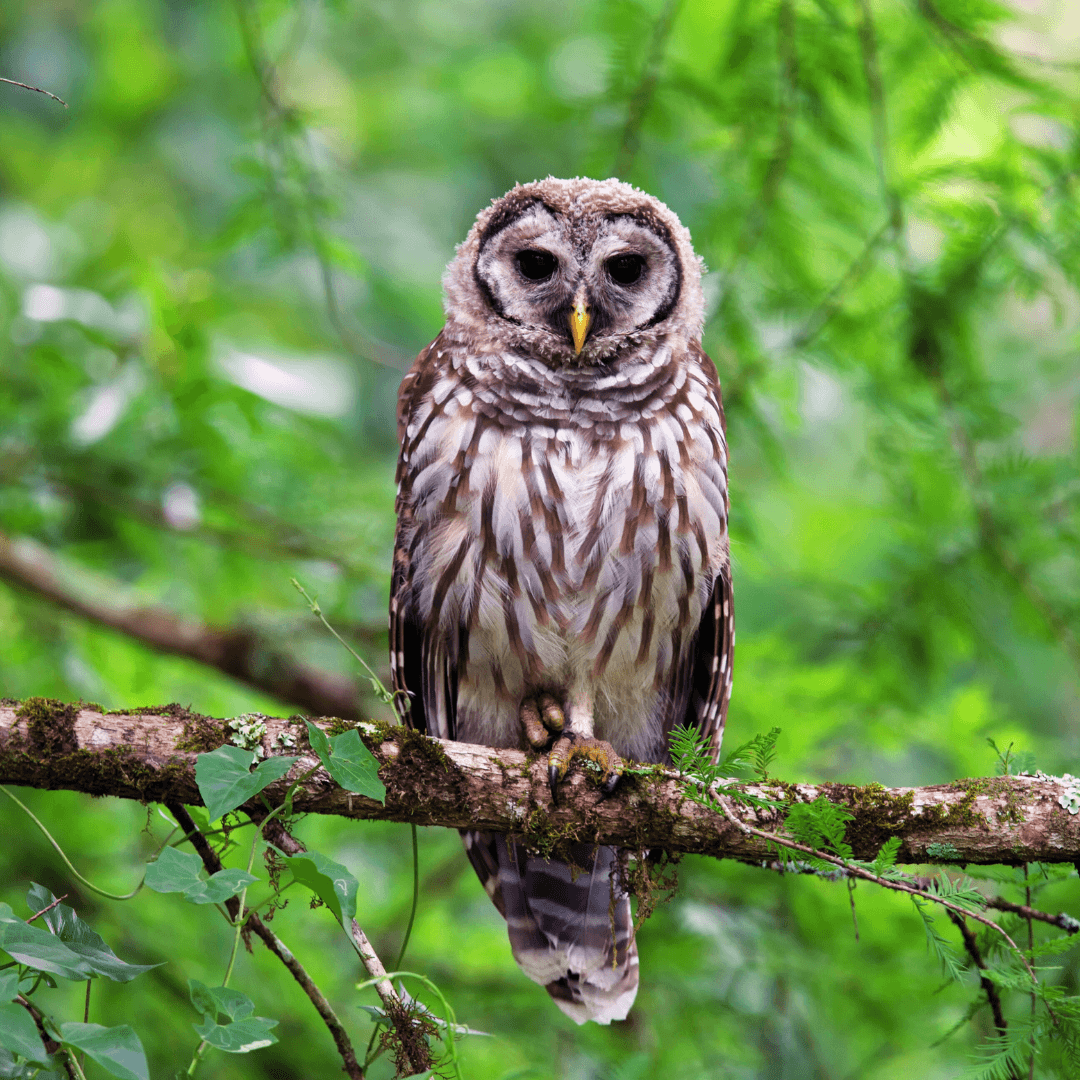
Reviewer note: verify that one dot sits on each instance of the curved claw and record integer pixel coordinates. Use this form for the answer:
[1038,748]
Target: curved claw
[553,783]
[610,784]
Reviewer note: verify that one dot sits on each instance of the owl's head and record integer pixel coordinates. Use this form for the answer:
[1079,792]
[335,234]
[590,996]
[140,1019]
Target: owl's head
[576,271]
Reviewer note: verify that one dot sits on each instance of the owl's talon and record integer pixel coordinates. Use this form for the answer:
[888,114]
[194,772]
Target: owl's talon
[553,716]
[542,719]
[599,753]
[536,735]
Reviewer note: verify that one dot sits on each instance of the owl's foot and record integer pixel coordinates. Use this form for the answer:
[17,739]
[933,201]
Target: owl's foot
[542,719]
[596,752]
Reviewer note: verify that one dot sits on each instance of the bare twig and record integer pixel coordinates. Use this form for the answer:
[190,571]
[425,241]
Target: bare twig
[240,652]
[643,93]
[275,945]
[866,875]
[1025,911]
[36,89]
[991,990]
[38,914]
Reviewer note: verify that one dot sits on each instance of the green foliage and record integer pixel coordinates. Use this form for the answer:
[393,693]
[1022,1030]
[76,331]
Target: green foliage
[348,761]
[225,781]
[241,1032]
[329,880]
[182,872]
[117,1050]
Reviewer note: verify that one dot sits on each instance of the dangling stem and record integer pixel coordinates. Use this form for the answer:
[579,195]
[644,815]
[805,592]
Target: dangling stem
[67,862]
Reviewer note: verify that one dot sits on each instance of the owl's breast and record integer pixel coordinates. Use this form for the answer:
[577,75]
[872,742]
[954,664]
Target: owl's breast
[570,553]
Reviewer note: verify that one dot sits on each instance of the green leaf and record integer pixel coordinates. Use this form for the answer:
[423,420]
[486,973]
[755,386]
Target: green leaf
[173,871]
[9,985]
[19,1033]
[39,949]
[241,1033]
[348,761]
[178,871]
[82,940]
[354,766]
[10,1069]
[329,880]
[219,887]
[117,1049]
[239,1037]
[225,781]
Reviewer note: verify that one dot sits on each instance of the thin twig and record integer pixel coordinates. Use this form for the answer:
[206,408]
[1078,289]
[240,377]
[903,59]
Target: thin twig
[36,89]
[876,92]
[643,93]
[866,875]
[992,996]
[38,914]
[411,1040]
[275,945]
[1025,911]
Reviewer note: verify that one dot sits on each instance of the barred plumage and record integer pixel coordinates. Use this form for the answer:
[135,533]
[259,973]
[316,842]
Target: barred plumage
[562,530]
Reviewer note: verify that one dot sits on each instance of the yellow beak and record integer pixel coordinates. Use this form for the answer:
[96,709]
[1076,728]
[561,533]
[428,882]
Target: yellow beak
[579,325]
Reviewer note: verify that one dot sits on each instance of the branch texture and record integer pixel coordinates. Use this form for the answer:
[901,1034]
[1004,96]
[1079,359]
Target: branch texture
[149,754]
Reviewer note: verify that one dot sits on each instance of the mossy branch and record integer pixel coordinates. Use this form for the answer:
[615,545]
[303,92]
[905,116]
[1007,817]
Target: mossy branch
[149,754]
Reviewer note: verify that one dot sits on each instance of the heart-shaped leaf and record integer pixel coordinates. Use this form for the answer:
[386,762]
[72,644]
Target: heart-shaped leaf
[329,880]
[225,781]
[348,761]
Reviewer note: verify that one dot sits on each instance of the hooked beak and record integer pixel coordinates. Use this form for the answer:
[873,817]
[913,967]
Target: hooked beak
[579,324]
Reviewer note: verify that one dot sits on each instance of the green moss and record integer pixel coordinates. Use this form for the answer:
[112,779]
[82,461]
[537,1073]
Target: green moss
[50,725]
[996,787]
[201,734]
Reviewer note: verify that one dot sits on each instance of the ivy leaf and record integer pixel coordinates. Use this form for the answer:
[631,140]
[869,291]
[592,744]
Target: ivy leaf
[39,949]
[329,880]
[178,871]
[117,1049]
[241,1033]
[173,871]
[219,887]
[81,939]
[348,761]
[19,1033]
[225,781]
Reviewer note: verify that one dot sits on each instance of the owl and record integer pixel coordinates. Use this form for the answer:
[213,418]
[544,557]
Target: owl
[561,579]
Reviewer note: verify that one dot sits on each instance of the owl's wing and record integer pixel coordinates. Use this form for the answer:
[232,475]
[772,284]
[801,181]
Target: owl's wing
[702,685]
[423,677]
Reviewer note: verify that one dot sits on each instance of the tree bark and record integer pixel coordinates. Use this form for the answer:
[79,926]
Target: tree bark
[149,754]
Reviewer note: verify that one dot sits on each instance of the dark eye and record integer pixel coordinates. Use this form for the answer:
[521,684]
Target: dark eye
[625,269]
[536,265]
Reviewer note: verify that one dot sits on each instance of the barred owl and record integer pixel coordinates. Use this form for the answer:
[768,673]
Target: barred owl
[561,577]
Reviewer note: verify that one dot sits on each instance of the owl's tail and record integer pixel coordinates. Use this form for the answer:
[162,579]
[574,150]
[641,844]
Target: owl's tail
[570,925]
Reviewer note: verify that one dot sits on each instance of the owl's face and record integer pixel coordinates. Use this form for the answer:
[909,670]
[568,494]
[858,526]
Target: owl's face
[574,270]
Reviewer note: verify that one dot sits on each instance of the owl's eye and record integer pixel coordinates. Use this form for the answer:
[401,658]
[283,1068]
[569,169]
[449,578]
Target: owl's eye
[625,269]
[536,265]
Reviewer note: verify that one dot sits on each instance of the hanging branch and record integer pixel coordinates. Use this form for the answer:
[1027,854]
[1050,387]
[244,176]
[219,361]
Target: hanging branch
[149,754]
[240,652]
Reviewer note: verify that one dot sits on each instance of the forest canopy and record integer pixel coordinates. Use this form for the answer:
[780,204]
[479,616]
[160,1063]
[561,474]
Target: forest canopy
[218,258]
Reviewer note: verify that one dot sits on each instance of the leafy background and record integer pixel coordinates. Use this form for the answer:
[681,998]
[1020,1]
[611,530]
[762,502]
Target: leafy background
[217,261]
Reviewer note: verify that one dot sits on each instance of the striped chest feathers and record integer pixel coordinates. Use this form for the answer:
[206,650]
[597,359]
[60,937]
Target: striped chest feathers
[574,541]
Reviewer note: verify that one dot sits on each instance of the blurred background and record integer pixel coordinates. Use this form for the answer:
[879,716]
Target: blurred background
[218,260]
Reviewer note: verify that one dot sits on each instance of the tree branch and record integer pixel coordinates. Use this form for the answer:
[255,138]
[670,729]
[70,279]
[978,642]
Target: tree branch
[237,651]
[351,1066]
[149,754]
